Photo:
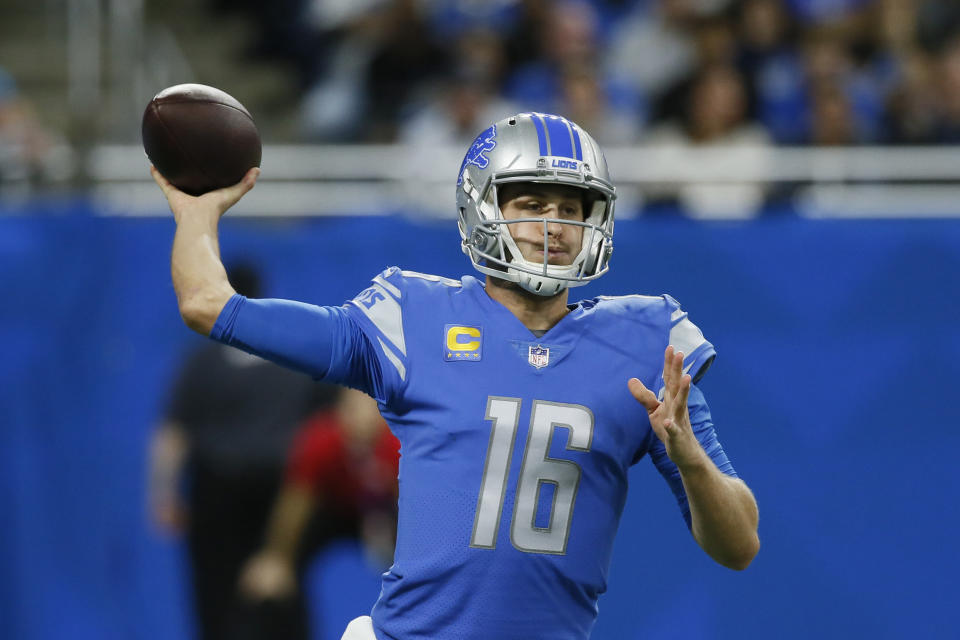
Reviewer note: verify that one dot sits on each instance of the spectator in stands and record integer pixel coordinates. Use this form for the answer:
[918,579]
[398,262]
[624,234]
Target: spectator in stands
[764,31]
[389,55]
[911,115]
[565,78]
[334,106]
[652,48]
[283,32]
[715,45]
[948,81]
[216,463]
[715,114]
[832,119]
[342,469]
[612,116]
[463,101]
[407,58]
[568,37]
[30,153]
[460,107]
[922,107]
[769,61]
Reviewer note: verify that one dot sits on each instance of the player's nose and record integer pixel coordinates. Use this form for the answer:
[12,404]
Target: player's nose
[552,224]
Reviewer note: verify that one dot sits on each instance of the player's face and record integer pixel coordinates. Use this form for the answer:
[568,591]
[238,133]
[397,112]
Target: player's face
[544,201]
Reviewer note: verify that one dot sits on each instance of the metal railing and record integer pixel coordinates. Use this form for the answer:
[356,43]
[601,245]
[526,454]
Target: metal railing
[718,183]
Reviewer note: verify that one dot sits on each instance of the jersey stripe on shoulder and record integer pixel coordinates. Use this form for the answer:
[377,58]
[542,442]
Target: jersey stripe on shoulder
[432,278]
[684,335]
[383,282]
[394,360]
[384,311]
[632,296]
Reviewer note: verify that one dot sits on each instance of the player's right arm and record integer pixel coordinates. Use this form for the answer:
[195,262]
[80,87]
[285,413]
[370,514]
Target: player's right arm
[199,278]
[340,345]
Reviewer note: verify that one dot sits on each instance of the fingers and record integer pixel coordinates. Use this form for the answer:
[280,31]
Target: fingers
[667,362]
[643,395]
[683,393]
[672,371]
[162,182]
[229,196]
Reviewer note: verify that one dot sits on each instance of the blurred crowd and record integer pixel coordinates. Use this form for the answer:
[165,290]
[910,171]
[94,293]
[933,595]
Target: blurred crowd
[788,72]
[749,73]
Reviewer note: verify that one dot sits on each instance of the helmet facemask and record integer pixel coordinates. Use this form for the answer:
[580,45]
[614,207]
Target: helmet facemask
[486,234]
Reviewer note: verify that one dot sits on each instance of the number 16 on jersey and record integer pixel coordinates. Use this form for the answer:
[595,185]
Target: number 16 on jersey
[537,469]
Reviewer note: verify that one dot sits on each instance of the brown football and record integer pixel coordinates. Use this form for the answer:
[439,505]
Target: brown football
[200,138]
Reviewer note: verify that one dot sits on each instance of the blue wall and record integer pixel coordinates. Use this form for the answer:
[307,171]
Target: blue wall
[838,351]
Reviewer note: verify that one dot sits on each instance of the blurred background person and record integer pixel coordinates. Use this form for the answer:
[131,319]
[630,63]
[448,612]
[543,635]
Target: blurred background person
[341,483]
[653,46]
[216,464]
[715,115]
[30,153]
[460,102]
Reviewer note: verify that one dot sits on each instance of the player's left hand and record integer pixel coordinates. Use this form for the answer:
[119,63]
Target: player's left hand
[670,418]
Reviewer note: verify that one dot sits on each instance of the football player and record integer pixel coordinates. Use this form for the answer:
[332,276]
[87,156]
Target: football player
[518,414]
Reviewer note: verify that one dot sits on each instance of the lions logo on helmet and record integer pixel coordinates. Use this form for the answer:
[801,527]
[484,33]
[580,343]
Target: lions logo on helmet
[541,148]
[484,142]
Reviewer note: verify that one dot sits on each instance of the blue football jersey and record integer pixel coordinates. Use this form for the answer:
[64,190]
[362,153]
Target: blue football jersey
[514,450]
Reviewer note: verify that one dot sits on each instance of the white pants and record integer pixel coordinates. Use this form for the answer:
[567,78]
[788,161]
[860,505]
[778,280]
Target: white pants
[359,629]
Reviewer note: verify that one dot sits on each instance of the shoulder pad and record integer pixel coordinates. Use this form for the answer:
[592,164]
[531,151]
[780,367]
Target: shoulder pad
[698,353]
[448,282]
[632,307]
[381,304]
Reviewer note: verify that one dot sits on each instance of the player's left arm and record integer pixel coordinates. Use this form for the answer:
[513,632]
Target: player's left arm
[723,511]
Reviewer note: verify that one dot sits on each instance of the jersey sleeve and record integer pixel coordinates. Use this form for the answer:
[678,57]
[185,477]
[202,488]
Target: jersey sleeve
[686,337]
[706,435]
[323,342]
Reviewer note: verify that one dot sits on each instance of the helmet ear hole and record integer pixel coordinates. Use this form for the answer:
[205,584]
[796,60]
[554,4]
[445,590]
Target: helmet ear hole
[483,240]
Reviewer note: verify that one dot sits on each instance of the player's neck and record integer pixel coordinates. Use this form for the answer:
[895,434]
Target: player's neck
[536,313]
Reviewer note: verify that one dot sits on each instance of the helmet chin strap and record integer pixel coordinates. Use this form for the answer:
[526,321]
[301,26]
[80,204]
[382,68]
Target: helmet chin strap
[541,285]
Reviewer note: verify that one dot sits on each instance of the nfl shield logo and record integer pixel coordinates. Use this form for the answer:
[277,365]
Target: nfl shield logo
[539,356]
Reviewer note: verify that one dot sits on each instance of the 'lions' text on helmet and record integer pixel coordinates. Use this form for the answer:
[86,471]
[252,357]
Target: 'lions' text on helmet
[541,148]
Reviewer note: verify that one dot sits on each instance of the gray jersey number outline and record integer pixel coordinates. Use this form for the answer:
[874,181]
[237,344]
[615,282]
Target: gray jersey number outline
[537,469]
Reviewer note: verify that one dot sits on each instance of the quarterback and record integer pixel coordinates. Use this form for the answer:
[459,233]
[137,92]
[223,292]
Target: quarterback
[518,413]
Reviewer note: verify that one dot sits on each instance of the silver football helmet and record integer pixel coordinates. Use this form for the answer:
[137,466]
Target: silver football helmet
[543,148]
